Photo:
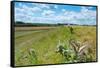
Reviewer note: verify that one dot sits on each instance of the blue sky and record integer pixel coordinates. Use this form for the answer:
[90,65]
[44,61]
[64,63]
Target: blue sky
[53,13]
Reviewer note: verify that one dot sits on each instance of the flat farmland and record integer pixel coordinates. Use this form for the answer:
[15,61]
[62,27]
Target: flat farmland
[32,28]
[44,41]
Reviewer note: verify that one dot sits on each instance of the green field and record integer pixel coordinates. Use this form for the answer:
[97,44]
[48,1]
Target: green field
[45,41]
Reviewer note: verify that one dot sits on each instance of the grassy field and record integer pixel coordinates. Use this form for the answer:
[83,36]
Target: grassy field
[44,41]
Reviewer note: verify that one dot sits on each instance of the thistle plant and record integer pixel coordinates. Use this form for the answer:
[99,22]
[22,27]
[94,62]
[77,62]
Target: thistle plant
[75,51]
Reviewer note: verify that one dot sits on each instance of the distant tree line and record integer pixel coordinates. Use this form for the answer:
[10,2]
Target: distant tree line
[19,24]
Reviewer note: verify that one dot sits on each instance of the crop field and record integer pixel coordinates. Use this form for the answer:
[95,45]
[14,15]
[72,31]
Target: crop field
[40,45]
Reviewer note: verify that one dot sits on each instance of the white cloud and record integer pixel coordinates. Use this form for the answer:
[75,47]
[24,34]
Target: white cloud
[55,6]
[63,10]
[48,13]
[34,9]
[85,16]
[26,13]
[84,9]
[45,6]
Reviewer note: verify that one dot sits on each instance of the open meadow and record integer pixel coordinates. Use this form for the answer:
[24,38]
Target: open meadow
[40,45]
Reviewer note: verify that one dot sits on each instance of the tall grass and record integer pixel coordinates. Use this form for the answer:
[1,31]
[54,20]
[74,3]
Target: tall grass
[44,43]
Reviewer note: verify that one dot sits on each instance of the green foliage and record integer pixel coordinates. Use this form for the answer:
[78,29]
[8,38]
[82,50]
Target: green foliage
[44,43]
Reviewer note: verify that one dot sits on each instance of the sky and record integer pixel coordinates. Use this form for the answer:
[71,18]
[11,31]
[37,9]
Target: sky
[54,13]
